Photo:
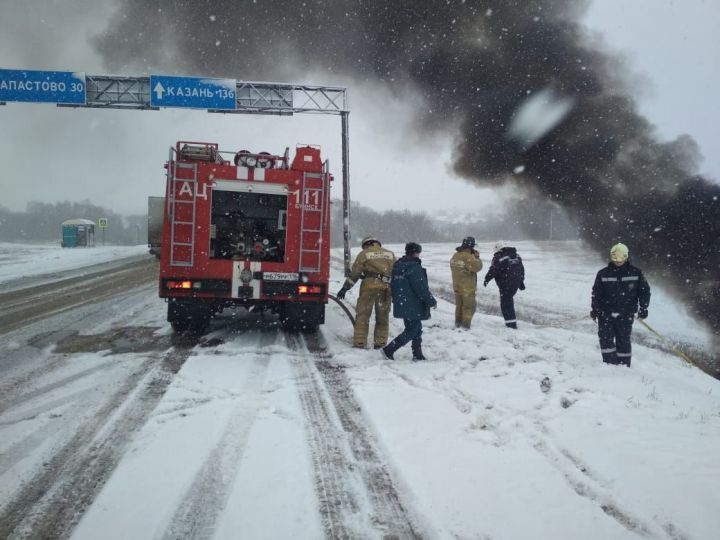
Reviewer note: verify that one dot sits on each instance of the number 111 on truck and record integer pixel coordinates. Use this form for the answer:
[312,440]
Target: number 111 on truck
[245,229]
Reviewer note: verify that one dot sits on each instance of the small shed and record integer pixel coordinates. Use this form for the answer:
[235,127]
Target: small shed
[78,233]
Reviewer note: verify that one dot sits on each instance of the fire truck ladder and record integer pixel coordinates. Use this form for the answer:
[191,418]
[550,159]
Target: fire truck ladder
[175,204]
[307,209]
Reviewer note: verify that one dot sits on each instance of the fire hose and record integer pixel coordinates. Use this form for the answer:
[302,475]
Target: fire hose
[344,308]
[669,344]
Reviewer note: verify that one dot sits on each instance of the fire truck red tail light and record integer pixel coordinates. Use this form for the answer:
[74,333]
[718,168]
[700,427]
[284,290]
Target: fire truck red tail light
[310,289]
[178,284]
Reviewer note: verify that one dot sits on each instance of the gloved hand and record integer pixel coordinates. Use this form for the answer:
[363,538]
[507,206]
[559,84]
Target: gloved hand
[593,315]
[485,283]
[341,293]
[643,314]
[522,286]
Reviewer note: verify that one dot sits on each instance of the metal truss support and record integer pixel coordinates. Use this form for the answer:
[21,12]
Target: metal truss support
[109,92]
[346,192]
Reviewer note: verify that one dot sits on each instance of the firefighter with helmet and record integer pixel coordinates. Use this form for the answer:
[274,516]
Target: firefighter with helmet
[374,266]
[620,290]
[464,266]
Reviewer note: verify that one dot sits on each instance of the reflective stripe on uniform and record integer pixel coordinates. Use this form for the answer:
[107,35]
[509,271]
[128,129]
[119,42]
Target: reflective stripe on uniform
[631,278]
[604,351]
[510,320]
[609,279]
[350,282]
[380,255]
[501,259]
[376,275]
[624,354]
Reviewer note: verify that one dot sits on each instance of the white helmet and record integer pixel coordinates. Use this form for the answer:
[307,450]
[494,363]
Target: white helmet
[370,240]
[499,245]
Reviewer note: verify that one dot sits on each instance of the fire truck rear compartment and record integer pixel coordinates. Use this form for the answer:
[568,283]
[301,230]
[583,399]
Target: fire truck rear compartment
[248,225]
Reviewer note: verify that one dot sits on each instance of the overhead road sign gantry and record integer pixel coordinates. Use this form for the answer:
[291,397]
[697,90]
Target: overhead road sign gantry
[120,92]
[192,92]
[60,87]
[116,92]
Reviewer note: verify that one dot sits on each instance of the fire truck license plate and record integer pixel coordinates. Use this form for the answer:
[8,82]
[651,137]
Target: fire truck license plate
[281,276]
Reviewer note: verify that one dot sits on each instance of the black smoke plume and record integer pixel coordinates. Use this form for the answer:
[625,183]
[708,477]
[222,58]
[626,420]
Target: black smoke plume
[531,101]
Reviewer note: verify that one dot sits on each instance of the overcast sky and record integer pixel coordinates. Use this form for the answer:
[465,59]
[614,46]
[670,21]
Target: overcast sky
[115,158]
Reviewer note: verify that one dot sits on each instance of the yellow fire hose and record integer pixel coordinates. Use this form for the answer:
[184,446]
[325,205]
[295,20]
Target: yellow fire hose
[670,344]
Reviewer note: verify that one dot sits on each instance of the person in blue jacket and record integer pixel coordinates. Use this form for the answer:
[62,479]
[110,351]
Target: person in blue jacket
[412,301]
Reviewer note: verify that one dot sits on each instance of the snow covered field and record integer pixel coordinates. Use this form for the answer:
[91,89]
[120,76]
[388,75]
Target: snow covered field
[468,444]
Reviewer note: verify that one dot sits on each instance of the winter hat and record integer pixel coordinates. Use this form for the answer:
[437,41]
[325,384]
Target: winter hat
[619,252]
[370,239]
[467,242]
[412,247]
[499,245]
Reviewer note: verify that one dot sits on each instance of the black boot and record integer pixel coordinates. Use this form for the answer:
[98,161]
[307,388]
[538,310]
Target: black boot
[611,359]
[388,350]
[417,352]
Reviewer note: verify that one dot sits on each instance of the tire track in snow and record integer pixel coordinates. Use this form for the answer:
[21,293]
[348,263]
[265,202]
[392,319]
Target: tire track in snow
[578,476]
[586,484]
[337,500]
[25,307]
[196,515]
[350,473]
[50,504]
[9,401]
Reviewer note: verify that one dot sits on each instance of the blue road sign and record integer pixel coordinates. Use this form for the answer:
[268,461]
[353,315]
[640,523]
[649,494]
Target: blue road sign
[192,92]
[42,86]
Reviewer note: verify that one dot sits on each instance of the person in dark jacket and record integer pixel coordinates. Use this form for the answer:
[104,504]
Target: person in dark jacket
[509,273]
[412,301]
[620,290]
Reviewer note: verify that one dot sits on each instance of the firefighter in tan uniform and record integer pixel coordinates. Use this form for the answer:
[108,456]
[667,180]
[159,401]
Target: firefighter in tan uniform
[465,265]
[374,266]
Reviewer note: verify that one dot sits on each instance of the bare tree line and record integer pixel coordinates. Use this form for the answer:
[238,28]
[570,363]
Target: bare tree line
[526,218]
[518,219]
[41,222]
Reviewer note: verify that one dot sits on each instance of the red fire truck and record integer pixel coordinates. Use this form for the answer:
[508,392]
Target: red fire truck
[248,229]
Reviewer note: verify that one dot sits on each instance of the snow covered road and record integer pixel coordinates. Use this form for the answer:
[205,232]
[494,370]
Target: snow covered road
[110,427]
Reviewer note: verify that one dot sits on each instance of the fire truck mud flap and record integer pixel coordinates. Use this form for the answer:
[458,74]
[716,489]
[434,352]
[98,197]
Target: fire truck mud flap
[186,316]
[303,316]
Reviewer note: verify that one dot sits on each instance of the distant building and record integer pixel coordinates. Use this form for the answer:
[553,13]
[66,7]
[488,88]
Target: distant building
[78,233]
